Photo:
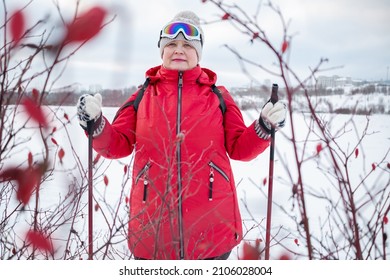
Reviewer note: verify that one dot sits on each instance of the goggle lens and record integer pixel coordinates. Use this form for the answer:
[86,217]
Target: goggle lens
[175,27]
[190,32]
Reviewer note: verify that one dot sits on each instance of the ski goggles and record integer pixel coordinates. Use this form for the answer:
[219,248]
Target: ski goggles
[189,31]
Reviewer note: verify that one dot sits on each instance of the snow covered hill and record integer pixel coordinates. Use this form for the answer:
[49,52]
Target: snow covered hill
[361,104]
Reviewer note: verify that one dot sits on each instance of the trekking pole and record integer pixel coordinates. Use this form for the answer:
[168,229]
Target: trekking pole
[90,191]
[274,99]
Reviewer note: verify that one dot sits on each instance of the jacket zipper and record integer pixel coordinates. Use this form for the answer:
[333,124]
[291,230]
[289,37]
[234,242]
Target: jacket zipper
[213,167]
[144,173]
[178,158]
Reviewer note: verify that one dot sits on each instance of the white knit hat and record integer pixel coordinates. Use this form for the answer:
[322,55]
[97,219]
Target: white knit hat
[187,17]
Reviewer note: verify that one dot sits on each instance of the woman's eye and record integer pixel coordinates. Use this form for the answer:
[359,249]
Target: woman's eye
[172,44]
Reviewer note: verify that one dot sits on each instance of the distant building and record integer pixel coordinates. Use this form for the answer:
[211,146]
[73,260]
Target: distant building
[343,81]
[324,81]
[334,81]
[95,88]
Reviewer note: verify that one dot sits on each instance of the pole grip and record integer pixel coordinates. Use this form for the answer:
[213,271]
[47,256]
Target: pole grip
[90,125]
[274,93]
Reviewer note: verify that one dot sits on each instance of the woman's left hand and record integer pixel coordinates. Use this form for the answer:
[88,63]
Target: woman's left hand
[273,115]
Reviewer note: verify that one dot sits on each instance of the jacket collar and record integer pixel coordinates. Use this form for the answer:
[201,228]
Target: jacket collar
[195,75]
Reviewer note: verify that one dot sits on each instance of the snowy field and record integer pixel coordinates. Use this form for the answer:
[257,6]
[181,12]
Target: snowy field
[249,176]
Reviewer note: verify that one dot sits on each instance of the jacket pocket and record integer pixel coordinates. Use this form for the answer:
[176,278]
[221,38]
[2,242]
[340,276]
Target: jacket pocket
[144,175]
[214,167]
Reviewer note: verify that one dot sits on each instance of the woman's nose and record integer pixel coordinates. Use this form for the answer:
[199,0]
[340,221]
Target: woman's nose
[178,49]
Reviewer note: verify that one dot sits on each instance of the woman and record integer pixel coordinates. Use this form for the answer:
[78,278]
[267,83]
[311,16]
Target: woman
[183,202]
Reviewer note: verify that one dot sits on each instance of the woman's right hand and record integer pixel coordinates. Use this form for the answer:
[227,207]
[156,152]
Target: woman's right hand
[89,108]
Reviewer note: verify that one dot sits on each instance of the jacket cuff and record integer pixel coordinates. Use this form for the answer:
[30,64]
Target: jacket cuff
[99,126]
[261,131]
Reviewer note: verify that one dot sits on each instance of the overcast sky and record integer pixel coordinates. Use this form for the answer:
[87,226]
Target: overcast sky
[353,34]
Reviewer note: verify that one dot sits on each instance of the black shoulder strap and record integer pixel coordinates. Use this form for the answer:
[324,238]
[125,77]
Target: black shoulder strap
[214,88]
[140,94]
[222,104]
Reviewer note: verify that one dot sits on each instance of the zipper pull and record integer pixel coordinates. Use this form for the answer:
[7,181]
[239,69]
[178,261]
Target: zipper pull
[146,183]
[211,181]
[180,79]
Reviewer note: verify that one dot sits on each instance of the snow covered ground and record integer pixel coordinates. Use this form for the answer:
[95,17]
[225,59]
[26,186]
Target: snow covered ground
[249,176]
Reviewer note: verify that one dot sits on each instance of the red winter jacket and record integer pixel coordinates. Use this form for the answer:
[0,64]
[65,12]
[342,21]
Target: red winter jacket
[183,201]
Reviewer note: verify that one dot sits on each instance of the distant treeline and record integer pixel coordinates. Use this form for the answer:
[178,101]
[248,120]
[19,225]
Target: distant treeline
[246,98]
[111,98]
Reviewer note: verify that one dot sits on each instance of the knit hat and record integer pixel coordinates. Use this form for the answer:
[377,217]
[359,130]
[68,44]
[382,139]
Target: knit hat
[186,17]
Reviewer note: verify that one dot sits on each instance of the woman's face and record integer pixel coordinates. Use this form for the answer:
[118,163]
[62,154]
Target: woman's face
[179,55]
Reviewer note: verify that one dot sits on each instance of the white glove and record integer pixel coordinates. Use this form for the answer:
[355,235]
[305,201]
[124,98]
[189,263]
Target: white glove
[89,108]
[273,115]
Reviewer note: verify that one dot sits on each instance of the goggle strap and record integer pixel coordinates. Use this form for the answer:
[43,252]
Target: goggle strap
[158,43]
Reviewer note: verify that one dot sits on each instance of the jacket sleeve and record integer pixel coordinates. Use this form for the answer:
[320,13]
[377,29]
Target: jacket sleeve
[118,138]
[242,142]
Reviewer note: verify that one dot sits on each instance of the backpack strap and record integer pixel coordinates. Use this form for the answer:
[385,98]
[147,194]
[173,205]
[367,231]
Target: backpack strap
[222,104]
[140,94]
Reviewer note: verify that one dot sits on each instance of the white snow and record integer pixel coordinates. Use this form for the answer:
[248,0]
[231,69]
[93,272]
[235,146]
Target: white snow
[249,178]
